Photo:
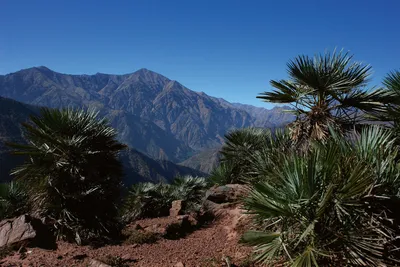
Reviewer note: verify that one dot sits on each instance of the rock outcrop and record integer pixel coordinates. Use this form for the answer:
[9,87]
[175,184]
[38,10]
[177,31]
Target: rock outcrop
[25,230]
[176,208]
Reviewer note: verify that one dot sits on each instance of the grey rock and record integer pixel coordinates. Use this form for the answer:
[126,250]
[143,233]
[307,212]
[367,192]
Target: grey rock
[18,230]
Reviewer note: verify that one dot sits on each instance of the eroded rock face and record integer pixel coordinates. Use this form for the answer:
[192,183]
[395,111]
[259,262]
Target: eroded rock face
[226,193]
[25,230]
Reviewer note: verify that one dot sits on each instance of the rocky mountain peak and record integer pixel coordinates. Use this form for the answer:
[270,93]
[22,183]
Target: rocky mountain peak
[153,114]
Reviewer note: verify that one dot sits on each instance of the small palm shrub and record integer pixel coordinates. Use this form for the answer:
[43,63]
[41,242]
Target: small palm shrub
[13,200]
[72,174]
[325,91]
[242,149]
[334,206]
[223,174]
[191,190]
[148,200]
[391,98]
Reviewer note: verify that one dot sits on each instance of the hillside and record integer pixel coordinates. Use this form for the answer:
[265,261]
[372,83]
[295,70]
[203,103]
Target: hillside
[153,114]
[12,113]
[141,168]
[203,161]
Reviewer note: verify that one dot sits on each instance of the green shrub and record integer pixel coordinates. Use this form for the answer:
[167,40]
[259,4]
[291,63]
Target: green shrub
[73,174]
[223,174]
[333,206]
[391,99]
[148,200]
[325,91]
[191,190]
[246,151]
[13,200]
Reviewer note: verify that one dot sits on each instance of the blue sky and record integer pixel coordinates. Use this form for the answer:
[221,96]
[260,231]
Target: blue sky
[226,48]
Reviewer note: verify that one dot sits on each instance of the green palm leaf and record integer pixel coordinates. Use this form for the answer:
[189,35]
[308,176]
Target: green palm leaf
[73,173]
[325,90]
[332,206]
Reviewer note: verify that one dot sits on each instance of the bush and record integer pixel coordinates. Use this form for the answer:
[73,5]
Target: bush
[13,200]
[223,174]
[191,190]
[73,175]
[242,152]
[147,200]
[333,206]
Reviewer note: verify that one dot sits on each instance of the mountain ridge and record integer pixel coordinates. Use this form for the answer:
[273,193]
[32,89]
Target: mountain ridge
[160,117]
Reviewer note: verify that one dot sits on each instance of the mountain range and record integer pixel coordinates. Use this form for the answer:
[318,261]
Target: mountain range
[157,117]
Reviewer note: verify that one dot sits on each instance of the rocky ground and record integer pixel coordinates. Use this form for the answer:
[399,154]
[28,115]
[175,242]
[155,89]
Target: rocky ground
[212,244]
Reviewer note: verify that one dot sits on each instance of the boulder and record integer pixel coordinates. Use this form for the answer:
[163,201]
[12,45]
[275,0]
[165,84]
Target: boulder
[25,230]
[16,231]
[226,193]
[176,208]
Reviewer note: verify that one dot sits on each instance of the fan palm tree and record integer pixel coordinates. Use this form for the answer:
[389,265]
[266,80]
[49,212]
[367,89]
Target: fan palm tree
[391,98]
[148,200]
[13,200]
[190,189]
[334,206]
[223,174]
[325,91]
[241,149]
[73,173]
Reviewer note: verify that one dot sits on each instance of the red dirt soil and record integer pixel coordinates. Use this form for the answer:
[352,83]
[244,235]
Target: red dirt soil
[207,246]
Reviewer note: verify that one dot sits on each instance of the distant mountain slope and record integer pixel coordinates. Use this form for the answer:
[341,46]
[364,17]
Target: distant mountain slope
[152,113]
[203,161]
[140,168]
[137,166]
[275,117]
[146,136]
[12,113]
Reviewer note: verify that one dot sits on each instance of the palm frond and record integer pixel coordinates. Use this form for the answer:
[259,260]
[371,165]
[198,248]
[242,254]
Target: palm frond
[325,90]
[72,164]
[334,204]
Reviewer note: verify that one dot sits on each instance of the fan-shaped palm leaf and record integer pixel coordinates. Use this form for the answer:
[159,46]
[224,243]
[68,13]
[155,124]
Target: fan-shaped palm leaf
[334,206]
[325,90]
[248,149]
[73,173]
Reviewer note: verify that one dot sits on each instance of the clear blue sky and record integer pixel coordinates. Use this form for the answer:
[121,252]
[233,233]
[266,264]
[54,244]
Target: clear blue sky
[226,48]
